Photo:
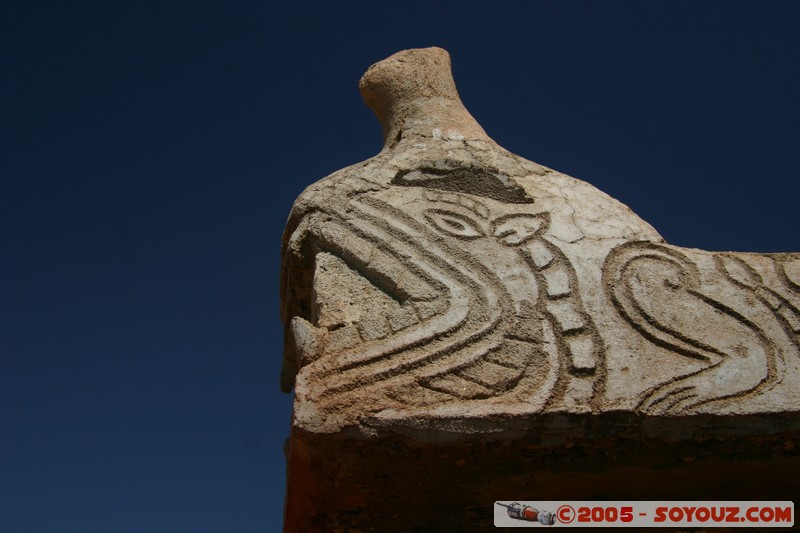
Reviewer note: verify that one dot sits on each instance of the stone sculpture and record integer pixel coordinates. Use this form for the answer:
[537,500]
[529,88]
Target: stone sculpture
[447,278]
[464,325]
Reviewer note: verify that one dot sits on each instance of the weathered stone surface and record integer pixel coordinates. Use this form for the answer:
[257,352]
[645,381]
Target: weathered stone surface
[448,292]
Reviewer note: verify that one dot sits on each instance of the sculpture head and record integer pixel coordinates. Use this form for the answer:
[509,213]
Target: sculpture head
[435,276]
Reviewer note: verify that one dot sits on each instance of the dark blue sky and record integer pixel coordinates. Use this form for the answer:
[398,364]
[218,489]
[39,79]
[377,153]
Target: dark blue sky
[150,152]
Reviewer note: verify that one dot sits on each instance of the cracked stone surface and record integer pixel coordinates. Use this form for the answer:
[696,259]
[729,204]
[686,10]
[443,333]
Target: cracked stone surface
[448,292]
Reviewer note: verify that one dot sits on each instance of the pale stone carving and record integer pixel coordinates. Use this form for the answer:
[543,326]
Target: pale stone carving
[447,285]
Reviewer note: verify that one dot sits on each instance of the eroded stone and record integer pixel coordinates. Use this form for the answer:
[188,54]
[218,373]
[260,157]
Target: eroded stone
[449,291]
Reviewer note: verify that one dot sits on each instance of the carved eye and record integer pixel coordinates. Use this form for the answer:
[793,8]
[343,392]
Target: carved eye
[454,224]
[512,230]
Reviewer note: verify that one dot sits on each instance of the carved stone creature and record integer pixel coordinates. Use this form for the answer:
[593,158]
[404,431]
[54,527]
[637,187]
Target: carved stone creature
[446,282]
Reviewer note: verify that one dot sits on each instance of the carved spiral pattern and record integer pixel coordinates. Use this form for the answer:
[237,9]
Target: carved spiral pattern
[659,292]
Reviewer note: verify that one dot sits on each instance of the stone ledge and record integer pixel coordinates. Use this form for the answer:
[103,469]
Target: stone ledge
[339,483]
